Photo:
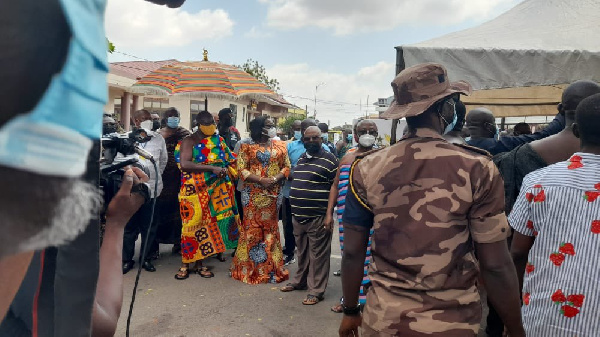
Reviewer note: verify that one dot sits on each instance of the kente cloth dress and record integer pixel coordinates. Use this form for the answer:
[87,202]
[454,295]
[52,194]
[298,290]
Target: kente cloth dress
[259,256]
[209,215]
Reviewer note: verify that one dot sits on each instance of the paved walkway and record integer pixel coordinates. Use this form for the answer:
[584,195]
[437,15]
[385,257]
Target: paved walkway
[221,306]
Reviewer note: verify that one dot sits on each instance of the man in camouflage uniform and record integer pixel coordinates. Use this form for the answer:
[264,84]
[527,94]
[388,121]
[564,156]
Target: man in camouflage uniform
[431,204]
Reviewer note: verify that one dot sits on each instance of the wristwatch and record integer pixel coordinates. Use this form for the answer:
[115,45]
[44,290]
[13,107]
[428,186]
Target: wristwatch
[351,311]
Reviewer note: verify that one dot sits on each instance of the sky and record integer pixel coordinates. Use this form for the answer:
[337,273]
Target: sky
[345,47]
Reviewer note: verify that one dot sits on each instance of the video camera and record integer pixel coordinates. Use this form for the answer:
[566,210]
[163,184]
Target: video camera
[111,171]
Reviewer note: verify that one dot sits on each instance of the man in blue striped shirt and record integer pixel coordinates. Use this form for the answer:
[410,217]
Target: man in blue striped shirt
[557,237]
[311,181]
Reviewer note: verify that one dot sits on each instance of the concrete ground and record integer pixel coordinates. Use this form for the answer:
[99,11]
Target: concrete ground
[222,306]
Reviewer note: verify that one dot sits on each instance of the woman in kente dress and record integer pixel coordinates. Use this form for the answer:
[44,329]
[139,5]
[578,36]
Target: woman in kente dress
[263,165]
[209,215]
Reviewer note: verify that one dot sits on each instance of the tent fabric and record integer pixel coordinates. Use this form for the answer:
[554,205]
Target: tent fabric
[537,43]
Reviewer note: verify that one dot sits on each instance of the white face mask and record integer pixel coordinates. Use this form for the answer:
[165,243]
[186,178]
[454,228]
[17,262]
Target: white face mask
[146,125]
[272,133]
[366,140]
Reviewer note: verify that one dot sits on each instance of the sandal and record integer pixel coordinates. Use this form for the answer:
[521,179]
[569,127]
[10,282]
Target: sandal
[312,300]
[182,274]
[291,287]
[204,272]
[338,308]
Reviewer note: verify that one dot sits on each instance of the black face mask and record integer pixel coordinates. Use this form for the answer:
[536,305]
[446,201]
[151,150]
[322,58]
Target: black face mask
[155,125]
[312,148]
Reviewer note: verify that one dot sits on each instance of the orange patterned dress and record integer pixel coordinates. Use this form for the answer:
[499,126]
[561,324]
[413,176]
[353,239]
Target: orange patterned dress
[259,256]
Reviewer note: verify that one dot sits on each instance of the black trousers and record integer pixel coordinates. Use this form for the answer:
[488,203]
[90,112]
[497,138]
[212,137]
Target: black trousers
[288,228]
[138,224]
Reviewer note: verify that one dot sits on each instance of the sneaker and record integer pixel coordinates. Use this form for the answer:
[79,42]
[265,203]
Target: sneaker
[289,260]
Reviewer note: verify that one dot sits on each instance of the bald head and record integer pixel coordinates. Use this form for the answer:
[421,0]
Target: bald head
[481,123]
[576,92]
[141,116]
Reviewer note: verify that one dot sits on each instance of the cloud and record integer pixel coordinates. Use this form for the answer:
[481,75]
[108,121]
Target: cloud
[349,16]
[137,23]
[339,98]
[257,33]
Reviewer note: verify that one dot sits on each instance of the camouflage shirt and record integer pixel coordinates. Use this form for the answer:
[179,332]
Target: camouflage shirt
[428,201]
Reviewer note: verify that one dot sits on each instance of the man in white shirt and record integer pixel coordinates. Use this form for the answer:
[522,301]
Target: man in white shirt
[140,221]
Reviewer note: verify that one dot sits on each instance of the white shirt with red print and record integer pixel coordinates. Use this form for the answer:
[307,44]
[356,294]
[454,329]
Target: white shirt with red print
[560,206]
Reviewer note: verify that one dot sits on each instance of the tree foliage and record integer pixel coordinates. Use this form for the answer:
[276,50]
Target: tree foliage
[286,124]
[111,46]
[257,70]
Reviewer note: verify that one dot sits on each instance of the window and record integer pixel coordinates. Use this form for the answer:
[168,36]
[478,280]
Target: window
[195,108]
[233,108]
[117,106]
[156,105]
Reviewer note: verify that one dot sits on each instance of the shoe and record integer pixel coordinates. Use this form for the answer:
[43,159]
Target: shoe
[127,266]
[289,260]
[148,266]
[155,255]
[337,273]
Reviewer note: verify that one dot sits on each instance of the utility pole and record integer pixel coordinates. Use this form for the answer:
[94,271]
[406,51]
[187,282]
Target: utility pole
[367,109]
[315,109]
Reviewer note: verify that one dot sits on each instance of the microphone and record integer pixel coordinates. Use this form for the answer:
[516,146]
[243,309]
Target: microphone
[143,153]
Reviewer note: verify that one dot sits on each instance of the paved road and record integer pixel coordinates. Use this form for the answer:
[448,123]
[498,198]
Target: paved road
[222,306]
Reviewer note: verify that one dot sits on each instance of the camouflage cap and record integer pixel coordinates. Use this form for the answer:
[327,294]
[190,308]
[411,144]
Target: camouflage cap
[418,87]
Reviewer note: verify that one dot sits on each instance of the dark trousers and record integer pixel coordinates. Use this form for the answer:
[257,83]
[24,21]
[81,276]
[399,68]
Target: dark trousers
[288,228]
[138,224]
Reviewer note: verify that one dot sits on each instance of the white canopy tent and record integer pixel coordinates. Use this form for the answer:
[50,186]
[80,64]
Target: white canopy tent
[519,62]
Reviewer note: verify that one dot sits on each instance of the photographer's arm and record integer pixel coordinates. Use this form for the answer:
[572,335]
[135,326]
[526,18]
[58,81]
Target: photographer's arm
[186,161]
[109,290]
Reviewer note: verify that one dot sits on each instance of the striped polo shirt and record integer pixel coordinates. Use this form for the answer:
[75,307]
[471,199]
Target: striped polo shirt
[311,183]
[560,206]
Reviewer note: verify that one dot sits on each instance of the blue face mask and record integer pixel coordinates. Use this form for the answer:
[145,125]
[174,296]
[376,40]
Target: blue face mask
[325,138]
[297,135]
[452,124]
[349,138]
[173,122]
[55,137]
[497,134]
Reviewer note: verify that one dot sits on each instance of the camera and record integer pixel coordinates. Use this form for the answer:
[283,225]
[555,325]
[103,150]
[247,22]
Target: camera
[112,166]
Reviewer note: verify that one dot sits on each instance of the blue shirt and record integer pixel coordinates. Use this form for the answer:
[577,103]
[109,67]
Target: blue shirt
[295,149]
[505,144]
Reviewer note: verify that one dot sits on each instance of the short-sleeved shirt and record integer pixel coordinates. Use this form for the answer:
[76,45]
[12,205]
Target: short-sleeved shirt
[295,150]
[559,205]
[428,201]
[312,181]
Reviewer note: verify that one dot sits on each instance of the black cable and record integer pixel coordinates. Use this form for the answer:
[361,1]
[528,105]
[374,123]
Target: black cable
[143,252]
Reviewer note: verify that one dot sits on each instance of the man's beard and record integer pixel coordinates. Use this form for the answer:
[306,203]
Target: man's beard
[38,211]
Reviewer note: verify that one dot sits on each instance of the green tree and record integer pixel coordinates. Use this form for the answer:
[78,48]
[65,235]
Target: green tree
[111,46]
[258,71]
[286,124]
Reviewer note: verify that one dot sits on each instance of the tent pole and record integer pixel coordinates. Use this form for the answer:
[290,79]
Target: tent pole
[205,103]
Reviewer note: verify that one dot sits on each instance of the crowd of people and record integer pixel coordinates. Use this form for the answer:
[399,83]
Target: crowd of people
[424,225]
